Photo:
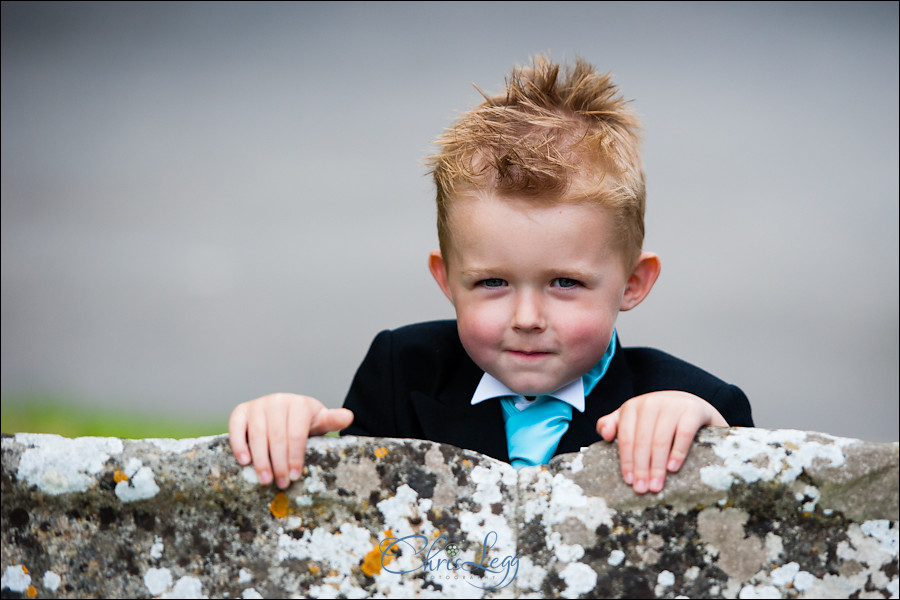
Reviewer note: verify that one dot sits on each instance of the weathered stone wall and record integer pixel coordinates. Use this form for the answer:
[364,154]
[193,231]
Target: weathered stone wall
[754,513]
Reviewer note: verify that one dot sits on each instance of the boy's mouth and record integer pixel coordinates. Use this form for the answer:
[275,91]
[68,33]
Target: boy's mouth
[527,354]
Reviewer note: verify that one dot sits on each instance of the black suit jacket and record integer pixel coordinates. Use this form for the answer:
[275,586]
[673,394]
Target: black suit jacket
[417,382]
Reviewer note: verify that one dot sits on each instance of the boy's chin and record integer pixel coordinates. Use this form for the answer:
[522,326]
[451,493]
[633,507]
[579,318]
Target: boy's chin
[533,388]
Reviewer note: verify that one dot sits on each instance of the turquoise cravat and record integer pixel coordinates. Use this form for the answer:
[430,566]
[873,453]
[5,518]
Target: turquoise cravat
[533,433]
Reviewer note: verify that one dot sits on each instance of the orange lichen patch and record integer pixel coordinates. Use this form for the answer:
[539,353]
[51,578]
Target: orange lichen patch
[31,592]
[377,558]
[371,564]
[467,462]
[25,569]
[119,476]
[314,569]
[280,505]
[381,452]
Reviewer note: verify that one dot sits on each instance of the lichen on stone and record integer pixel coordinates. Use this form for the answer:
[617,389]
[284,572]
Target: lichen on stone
[752,513]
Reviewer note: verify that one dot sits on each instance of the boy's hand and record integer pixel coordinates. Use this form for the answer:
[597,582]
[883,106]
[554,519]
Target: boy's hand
[655,433]
[277,427]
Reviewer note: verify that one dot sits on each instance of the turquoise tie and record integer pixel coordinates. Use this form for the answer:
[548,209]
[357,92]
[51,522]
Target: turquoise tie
[533,433]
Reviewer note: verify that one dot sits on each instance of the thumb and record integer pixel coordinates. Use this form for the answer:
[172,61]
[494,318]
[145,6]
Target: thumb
[330,419]
[608,426]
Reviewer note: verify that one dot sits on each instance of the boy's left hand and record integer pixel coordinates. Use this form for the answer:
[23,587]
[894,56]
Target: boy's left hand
[655,433]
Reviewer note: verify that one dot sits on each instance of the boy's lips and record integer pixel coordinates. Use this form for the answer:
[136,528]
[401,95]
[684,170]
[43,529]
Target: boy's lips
[529,353]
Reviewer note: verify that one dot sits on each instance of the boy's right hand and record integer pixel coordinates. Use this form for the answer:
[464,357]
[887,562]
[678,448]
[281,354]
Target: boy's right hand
[272,431]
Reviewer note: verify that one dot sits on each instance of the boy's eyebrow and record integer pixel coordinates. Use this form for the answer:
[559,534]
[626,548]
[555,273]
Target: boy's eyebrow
[569,273]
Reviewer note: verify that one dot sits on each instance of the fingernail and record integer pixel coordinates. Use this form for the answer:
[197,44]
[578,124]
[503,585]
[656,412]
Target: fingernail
[265,478]
[295,474]
[640,486]
[656,484]
[244,459]
[673,465]
[629,478]
[283,482]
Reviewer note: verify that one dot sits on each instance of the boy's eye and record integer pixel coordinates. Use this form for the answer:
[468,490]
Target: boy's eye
[565,282]
[492,283]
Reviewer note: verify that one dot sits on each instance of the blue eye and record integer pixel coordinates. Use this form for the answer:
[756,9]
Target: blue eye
[565,282]
[492,283]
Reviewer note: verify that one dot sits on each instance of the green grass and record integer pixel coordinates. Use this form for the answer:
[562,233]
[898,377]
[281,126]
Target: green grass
[46,415]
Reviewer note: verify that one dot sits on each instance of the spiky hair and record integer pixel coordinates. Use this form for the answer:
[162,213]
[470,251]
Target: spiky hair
[554,134]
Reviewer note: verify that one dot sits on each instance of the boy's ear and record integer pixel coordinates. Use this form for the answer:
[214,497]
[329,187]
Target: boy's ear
[641,280]
[439,272]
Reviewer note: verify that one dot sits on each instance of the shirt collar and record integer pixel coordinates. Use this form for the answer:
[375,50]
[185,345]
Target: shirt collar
[572,393]
[490,387]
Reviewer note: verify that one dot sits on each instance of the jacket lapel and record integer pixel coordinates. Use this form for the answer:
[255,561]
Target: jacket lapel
[451,419]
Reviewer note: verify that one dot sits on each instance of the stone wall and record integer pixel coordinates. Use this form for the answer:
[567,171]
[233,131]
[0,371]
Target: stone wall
[754,513]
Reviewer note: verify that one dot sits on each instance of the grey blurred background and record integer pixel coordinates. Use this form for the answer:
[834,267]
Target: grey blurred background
[203,203]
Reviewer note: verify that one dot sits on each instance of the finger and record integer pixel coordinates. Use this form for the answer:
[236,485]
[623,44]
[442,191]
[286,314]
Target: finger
[259,444]
[331,419]
[237,434]
[625,435]
[661,446]
[684,438]
[643,442]
[608,425]
[298,428]
[277,426]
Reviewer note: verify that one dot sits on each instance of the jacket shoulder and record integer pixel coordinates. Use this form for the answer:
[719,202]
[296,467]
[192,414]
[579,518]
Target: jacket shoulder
[652,367]
[654,370]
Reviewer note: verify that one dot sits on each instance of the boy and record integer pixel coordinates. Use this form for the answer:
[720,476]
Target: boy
[540,200]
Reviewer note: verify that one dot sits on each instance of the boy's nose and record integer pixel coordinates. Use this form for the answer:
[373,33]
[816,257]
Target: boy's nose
[528,314]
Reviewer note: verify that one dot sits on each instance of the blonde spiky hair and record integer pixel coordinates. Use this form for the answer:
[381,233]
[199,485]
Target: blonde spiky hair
[563,135]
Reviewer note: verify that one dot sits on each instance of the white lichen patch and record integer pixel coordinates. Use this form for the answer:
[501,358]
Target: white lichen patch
[245,576]
[530,575]
[249,475]
[51,581]
[577,464]
[58,465]
[156,550]
[580,579]
[339,551]
[188,588]
[752,592]
[484,526]
[487,482]
[751,454]
[666,579]
[785,574]
[139,486]
[132,467]
[615,558]
[557,498]
[251,594]
[564,552]
[873,543]
[183,445]
[803,581]
[325,445]
[809,492]
[157,581]
[15,578]
[404,506]
[882,531]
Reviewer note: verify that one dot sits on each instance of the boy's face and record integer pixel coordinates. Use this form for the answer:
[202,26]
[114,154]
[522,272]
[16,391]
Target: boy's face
[537,287]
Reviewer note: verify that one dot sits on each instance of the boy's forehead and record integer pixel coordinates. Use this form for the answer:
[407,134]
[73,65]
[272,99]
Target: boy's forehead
[474,218]
[486,204]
